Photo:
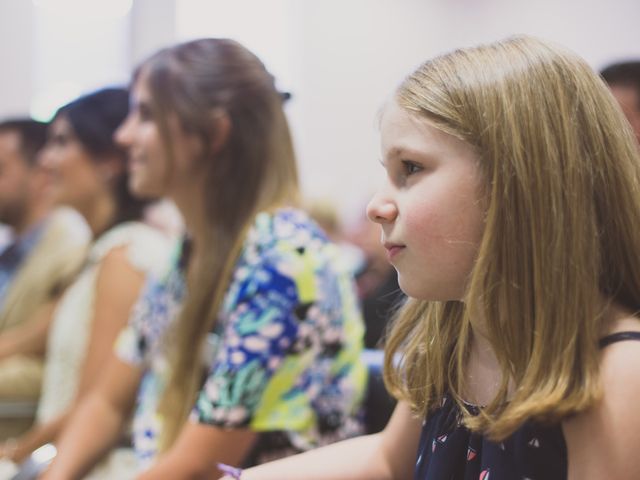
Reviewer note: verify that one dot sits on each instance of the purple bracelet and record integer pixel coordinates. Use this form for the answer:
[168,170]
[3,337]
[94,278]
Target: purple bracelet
[233,472]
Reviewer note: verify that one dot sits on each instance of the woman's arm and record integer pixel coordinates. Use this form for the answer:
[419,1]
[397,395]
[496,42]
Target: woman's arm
[603,441]
[117,287]
[387,455]
[97,422]
[198,450]
[30,337]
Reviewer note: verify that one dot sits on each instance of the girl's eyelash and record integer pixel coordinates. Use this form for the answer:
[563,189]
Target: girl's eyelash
[409,167]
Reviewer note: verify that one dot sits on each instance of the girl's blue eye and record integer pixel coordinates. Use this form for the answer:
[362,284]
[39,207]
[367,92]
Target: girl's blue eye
[409,167]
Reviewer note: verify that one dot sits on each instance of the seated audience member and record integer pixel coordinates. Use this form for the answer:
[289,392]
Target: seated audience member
[624,81]
[90,174]
[249,349]
[47,248]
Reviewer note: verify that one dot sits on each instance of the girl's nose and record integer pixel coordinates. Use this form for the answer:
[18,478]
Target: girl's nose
[382,209]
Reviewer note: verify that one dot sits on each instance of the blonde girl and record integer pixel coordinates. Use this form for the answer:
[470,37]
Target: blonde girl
[510,212]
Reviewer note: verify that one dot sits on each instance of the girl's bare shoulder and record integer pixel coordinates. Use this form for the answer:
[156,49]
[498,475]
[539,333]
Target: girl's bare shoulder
[602,441]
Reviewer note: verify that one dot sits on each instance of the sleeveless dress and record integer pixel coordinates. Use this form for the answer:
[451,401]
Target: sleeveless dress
[448,450]
[148,251]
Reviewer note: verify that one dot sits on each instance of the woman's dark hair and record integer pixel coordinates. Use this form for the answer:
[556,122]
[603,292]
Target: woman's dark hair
[94,119]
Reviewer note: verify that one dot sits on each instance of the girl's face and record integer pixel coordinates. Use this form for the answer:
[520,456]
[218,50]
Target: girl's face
[75,177]
[153,171]
[429,207]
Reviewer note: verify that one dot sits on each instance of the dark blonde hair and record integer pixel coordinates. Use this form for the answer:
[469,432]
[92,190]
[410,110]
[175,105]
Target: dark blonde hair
[562,196]
[254,171]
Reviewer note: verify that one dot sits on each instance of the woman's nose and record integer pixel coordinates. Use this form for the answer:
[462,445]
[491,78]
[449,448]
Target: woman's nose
[44,158]
[382,209]
[121,136]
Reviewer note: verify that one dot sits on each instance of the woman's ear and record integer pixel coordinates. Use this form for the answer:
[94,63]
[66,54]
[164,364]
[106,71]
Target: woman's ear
[110,167]
[220,130]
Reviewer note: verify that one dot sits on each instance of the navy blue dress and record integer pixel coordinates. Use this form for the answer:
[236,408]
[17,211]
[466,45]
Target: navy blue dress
[449,451]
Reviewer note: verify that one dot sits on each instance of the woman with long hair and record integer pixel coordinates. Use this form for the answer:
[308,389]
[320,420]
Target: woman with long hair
[249,348]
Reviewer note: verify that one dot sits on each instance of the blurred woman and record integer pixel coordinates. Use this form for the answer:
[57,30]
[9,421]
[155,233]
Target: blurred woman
[90,174]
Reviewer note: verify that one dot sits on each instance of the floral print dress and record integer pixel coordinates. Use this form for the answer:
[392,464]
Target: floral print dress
[284,356]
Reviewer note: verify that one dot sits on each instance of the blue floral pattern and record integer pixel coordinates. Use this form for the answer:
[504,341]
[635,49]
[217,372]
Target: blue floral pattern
[284,357]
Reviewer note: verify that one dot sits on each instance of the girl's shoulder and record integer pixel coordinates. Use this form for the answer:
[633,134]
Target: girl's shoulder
[620,364]
[602,441]
[620,353]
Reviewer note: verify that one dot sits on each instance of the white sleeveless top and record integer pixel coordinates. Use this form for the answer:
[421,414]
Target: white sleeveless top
[148,251]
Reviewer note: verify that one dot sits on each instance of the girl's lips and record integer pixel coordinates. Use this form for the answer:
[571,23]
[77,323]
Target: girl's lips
[393,250]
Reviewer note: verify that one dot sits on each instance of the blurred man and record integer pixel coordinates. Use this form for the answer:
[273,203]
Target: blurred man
[47,249]
[624,81]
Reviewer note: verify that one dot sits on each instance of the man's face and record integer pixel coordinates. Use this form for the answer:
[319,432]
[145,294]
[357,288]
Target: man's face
[629,100]
[14,179]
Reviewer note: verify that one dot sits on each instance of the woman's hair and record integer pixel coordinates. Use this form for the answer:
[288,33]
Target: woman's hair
[562,196]
[254,170]
[94,118]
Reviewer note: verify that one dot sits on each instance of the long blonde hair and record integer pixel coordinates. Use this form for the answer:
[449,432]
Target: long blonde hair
[254,171]
[562,189]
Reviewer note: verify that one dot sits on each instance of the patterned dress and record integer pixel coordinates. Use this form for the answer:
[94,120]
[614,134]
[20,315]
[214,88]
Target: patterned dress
[284,356]
[448,450]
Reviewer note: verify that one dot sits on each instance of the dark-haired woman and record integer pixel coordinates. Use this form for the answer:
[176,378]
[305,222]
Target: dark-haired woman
[90,174]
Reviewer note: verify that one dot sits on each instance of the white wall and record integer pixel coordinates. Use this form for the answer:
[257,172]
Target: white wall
[16,56]
[347,56]
[340,58]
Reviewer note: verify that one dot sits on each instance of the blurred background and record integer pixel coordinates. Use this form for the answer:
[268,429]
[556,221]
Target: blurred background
[340,59]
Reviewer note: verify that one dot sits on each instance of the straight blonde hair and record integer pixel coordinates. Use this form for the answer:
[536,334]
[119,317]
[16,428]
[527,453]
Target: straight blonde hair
[562,188]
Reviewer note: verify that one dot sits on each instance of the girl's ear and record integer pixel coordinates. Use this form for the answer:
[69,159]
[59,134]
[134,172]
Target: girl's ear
[220,130]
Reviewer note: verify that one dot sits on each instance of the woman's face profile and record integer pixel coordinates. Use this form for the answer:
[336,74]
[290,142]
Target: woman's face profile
[147,162]
[75,176]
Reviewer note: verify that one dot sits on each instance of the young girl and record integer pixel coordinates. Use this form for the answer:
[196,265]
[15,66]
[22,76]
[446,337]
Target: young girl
[248,348]
[510,214]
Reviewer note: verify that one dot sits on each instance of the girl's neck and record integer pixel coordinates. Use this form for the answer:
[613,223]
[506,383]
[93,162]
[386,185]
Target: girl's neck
[483,373]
